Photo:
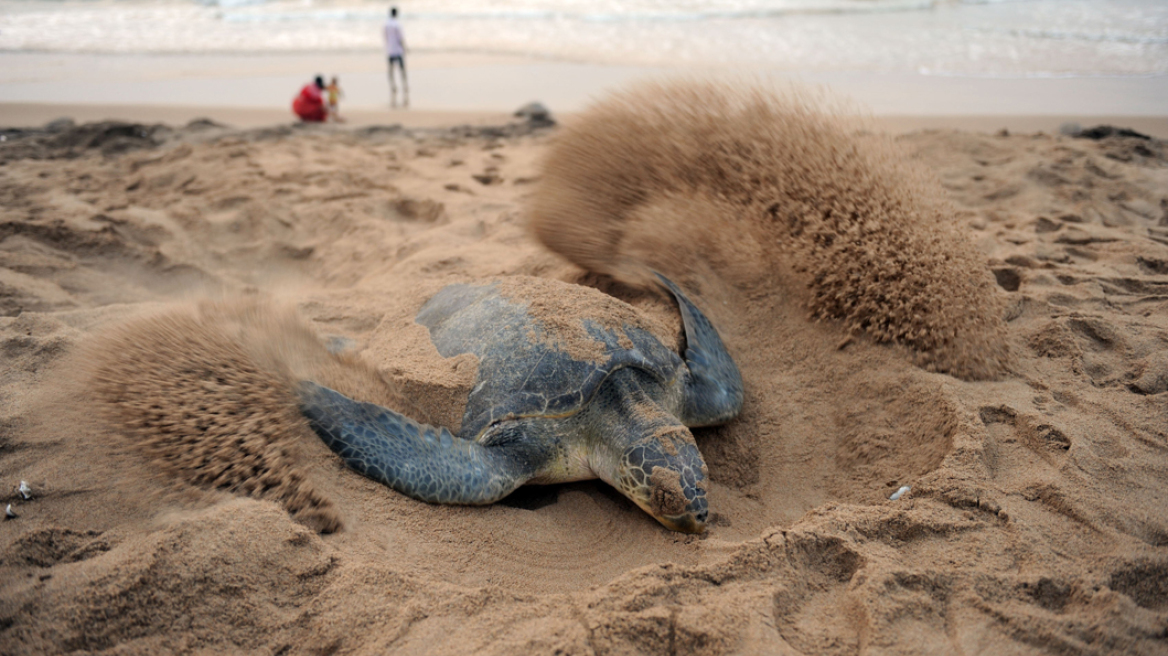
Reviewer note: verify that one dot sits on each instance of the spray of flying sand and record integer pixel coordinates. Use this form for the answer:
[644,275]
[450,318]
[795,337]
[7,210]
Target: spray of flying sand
[753,187]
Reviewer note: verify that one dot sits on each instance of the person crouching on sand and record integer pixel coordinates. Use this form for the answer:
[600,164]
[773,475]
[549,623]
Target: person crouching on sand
[334,96]
[309,105]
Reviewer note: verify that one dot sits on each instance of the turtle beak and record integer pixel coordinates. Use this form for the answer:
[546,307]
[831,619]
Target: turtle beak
[687,523]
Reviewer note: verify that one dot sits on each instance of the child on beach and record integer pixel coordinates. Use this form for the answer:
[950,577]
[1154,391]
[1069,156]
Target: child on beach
[334,95]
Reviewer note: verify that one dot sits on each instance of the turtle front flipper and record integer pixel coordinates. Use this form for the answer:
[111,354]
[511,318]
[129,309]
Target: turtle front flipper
[713,393]
[421,461]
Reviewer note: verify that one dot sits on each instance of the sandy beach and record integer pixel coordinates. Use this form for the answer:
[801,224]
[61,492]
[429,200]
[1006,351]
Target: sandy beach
[1022,401]
[255,90]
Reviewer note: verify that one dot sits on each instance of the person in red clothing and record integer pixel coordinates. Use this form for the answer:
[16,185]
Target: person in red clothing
[309,105]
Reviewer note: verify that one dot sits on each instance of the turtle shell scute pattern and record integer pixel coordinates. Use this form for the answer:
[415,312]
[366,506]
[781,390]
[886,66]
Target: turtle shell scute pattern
[522,373]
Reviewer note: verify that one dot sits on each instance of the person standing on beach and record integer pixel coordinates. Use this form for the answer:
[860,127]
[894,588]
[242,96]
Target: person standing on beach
[395,50]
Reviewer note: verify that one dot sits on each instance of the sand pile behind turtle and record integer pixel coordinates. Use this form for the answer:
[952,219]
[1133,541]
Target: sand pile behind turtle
[758,188]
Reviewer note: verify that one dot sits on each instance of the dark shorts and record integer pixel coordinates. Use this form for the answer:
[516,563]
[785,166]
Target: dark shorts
[400,62]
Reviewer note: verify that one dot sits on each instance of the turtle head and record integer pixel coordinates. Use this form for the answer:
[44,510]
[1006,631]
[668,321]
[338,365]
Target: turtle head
[665,475]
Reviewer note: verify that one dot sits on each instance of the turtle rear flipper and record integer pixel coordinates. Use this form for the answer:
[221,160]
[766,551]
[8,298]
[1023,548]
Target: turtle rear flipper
[421,461]
[713,393]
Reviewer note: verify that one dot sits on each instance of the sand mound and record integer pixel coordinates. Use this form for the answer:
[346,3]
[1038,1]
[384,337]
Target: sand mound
[63,139]
[754,185]
[186,578]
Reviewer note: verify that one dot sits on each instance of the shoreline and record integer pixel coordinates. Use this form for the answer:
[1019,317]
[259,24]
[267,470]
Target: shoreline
[32,115]
[469,82]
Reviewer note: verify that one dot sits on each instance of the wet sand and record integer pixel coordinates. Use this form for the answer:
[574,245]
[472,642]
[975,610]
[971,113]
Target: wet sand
[500,83]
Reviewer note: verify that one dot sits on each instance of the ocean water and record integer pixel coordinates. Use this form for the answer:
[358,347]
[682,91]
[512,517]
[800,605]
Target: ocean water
[995,38]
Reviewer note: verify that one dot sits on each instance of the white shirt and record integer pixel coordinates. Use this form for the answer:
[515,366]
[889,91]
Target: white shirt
[394,43]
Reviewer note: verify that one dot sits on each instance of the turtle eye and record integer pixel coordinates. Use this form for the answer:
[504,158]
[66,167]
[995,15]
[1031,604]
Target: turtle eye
[667,496]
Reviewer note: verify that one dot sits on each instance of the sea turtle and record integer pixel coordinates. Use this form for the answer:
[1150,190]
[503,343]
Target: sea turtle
[542,412]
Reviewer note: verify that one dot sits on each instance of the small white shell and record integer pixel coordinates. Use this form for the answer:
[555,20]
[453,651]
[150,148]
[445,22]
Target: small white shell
[25,490]
[899,493]
[9,513]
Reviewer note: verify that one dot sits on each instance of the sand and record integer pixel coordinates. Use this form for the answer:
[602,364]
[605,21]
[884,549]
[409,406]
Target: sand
[235,87]
[1037,519]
